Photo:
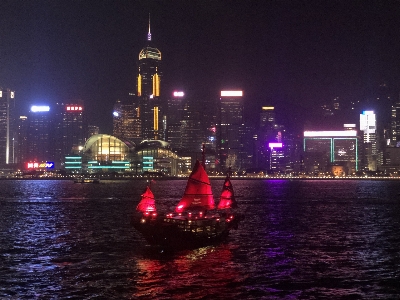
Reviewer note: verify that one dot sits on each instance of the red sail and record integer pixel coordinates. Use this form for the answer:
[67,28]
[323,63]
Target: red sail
[147,203]
[198,193]
[227,196]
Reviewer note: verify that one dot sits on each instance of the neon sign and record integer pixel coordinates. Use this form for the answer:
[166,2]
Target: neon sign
[231,93]
[74,108]
[40,108]
[275,145]
[339,133]
[179,94]
[36,165]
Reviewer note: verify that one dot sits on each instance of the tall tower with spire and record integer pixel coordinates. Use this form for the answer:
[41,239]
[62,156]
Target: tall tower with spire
[148,90]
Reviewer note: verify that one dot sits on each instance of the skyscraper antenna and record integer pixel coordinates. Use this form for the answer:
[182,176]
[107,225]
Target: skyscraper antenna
[149,34]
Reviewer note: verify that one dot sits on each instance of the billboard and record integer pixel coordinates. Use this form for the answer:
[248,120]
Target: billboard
[42,165]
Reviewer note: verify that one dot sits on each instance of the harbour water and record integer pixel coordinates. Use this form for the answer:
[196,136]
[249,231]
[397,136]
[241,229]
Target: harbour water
[301,239]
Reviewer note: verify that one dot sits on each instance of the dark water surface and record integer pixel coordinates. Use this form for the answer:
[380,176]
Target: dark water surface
[300,240]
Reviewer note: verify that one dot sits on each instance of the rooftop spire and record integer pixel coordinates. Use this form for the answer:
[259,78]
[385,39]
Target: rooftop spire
[149,34]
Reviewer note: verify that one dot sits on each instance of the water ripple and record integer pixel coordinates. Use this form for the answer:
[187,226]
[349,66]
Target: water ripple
[300,240]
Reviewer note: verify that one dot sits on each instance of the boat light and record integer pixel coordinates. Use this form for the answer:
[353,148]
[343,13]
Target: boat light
[142,221]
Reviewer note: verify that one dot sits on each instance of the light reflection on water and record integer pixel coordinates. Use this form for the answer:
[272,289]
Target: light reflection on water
[300,240]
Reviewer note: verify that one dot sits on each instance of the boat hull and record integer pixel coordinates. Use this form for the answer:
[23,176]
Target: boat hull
[180,232]
[87,180]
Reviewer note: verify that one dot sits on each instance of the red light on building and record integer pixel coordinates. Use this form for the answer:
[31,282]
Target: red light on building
[33,165]
[74,108]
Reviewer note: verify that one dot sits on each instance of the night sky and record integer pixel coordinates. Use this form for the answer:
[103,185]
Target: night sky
[291,54]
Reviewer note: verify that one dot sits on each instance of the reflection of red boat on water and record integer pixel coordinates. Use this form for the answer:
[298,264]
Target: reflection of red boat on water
[195,222]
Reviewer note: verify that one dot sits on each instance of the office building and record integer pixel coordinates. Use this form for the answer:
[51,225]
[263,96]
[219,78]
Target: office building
[21,143]
[326,149]
[230,122]
[395,126]
[150,107]
[266,133]
[126,122]
[7,127]
[41,132]
[174,119]
[70,128]
[368,126]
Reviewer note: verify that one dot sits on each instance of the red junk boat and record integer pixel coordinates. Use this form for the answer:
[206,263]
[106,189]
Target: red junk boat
[195,221]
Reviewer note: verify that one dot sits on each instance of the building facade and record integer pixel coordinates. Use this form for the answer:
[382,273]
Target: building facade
[71,128]
[40,135]
[148,90]
[370,149]
[325,149]
[174,119]
[7,127]
[126,122]
[230,122]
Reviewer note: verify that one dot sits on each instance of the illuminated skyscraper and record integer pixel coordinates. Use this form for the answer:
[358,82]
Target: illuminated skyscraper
[192,137]
[21,149]
[395,125]
[370,147]
[7,132]
[126,122]
[148,91]
[174,119]
[266,133]
[325,149]
[40,143]
[71,128]
[230,123]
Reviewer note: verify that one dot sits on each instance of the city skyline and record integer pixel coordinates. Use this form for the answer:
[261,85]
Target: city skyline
[281,53]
